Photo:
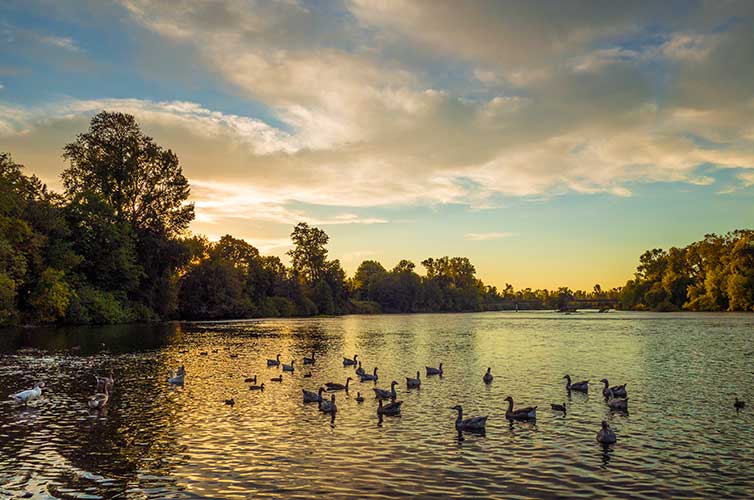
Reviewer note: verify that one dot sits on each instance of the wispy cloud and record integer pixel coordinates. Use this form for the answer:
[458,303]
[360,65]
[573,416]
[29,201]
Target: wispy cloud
[63,42]
[486,236]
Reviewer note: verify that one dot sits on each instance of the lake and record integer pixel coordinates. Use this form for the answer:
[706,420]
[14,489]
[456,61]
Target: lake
[681,438]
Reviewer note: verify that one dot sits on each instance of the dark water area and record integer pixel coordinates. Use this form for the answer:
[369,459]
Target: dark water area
[682,437]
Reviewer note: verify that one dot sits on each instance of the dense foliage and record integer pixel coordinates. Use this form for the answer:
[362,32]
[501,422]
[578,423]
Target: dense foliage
[112,248]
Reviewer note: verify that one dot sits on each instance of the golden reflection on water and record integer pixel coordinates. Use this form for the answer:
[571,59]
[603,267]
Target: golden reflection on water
[156,440]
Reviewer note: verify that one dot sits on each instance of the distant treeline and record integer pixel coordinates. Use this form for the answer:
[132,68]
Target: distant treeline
[112,247]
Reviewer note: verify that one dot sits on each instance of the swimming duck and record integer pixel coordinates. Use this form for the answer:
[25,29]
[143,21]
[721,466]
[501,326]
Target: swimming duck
[359,398]
[360,370]
[288,368]
[576,386]
[257,387]
[233,356]
[313,397]
[557,407]
[739,405]
[309,361]
[333,386]
[367,376]
[413,383]
[434,371]
[274,362]
[230,402]
[26,396]
[390,409]
[606,435]
[251,380]
[175,379]
[469,424]
[277,379]
[528,413]
[350,362]
[618,391]
[328,406]
[488,376]
[308,375]
[99,400]
[384,394]
[618,404]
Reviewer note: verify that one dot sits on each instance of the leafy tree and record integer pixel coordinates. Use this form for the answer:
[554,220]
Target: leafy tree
[309,254]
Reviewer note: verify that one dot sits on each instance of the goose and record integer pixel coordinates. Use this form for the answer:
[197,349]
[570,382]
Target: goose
[739,405]
[29,395]
[384,394]
[99,400]
[204,353]
[309,361]
[434,371]
[528,413]
[360,370]
[557,407]
[333,386]
[308,375]
[350,362]
[606,435]
[488,376]
[367,376]
[413,383]
[233,356]
[277,379]
[618,391]
[251,380]
[328,406]
[288,368]
[359,398]
[230,402]
[105,383]
[180,372]
[257,387]
[577,386]
[175,379]
[274,362]
[313,397]
[390,409]
[618,404]
[469,424]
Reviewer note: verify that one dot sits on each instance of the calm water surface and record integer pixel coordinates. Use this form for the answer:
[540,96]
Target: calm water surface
[682,437]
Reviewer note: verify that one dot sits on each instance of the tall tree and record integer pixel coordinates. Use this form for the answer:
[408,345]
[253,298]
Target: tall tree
[309,255]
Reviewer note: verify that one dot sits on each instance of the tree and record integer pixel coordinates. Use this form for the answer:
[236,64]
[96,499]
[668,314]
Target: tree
[309,254]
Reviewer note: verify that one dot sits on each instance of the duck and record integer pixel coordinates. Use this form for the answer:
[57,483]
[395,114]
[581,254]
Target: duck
[390,409]
[468,424]
[738,404]
[488,376]
[204,353]
[606,435]
[577,386]
[618,391]
[313,397]
[26,396]
[250,380]
[359,398]
[99,400]
[288,368]
[309,361]
[230,402]
[360,371]
[384,394]
[413,383]
[367,376]
[523,414]
[277,379]
[308,375]
[617,404]
[350,362]
[434,371]
[257,387]
[557,407]
[328,406]
[175,379]
[333,386]
[274,362]
[233,356]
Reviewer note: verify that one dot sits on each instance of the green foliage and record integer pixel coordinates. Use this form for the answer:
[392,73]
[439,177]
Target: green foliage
[8,311]
[50,296]
[309,255]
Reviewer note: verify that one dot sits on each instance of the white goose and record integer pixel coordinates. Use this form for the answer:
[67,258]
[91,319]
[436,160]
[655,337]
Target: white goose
[99,400]
[385,394]
[288,368]
[28,395]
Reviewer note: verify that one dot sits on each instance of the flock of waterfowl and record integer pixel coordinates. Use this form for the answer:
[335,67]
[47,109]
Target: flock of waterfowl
[616,397]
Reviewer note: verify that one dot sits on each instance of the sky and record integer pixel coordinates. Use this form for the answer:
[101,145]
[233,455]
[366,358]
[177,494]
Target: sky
[550,142]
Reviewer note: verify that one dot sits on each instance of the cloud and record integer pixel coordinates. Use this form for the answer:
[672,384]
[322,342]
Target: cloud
[486,236]
[63,42]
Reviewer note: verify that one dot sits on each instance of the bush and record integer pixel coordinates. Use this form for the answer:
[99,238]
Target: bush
[91,305]
[8,311]
[50,297]
[365,307]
